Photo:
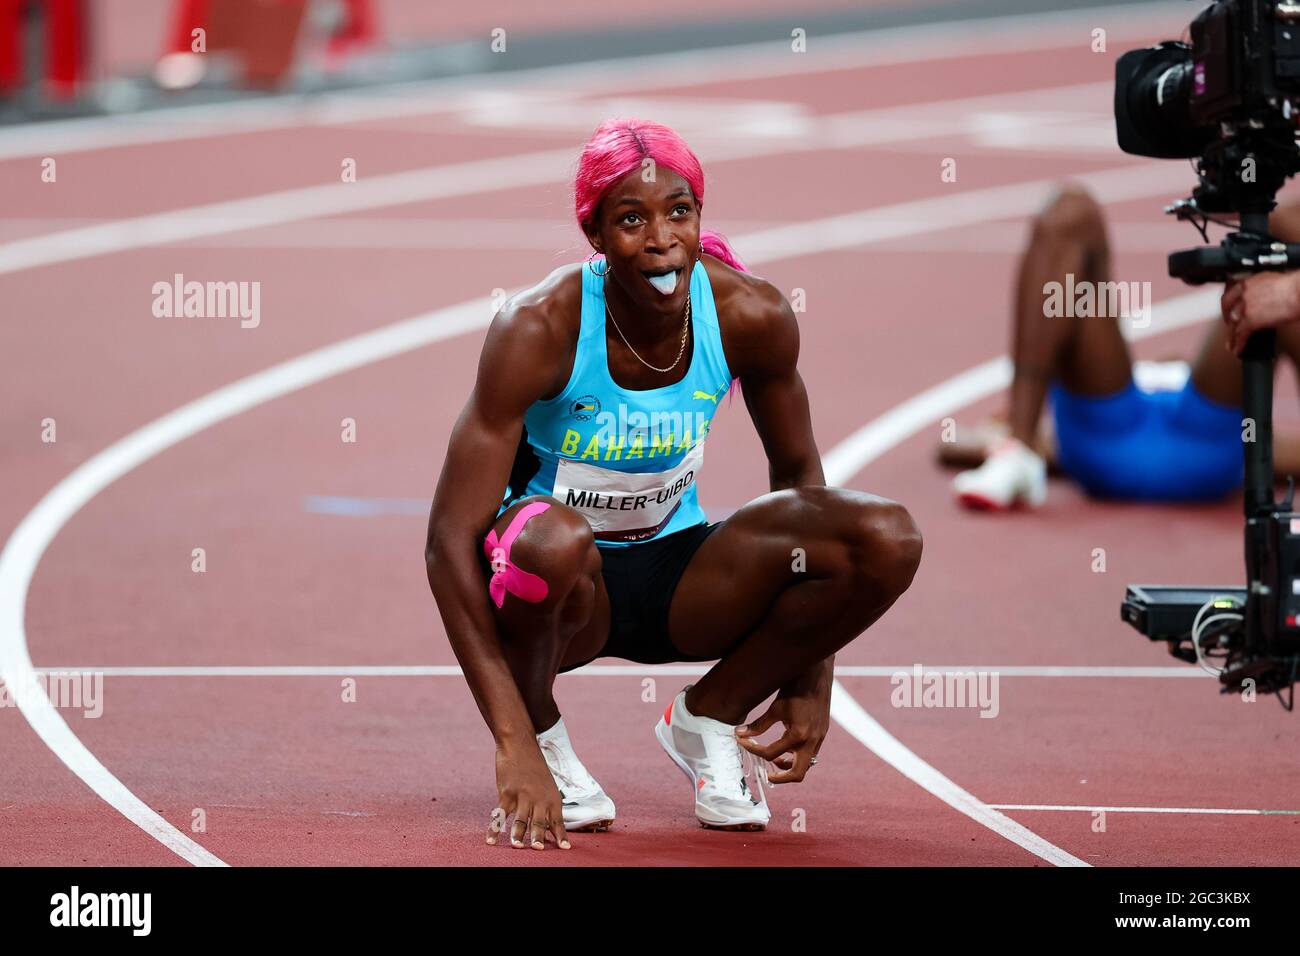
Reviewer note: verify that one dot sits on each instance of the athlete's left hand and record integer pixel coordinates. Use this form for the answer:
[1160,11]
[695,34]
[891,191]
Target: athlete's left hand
[804,710]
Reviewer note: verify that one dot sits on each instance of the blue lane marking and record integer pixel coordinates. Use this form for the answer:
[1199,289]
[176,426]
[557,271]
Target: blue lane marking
[365,507]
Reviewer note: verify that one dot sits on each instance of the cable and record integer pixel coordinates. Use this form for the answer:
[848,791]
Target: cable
[1198,626]
[1202,658]
[1201,219]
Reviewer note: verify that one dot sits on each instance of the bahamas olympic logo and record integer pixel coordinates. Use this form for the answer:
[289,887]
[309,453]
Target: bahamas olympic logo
[586,408]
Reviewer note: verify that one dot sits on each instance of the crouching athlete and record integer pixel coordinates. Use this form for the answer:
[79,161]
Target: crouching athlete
[565,526]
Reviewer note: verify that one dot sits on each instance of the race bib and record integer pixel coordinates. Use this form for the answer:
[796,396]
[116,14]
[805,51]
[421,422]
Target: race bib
[626,505]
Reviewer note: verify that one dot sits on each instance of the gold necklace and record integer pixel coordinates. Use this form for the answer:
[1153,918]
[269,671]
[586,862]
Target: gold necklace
[686,328]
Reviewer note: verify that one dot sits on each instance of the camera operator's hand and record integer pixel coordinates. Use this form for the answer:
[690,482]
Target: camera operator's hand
[1259,302]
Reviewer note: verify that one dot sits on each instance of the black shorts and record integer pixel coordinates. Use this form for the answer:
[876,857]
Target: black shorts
[641,580]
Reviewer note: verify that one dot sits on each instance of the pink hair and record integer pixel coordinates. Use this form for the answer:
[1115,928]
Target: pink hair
[617,148]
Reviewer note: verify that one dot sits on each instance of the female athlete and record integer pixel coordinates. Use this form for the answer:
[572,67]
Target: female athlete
[565,526]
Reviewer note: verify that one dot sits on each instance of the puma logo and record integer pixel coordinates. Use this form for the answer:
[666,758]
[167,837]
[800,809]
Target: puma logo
[713,398]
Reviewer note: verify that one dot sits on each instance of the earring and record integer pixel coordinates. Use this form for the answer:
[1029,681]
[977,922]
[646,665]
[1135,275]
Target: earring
[593,268]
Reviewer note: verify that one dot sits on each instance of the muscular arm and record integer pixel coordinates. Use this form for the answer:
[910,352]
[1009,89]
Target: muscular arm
[515,369]
[764,354]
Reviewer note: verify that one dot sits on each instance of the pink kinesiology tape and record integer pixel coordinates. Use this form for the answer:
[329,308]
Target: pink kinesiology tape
[505,576]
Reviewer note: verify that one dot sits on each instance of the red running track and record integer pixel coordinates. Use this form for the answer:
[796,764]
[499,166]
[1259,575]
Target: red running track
[286,772]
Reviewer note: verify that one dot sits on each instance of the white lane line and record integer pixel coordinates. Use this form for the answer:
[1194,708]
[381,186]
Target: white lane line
[516,171]
[55,733]
[599,670]
[1083,809]
[486,232]
[1068,671]
[849,714]
[33,535]
[875,438]
[872,48]
[290,205]
[379,232]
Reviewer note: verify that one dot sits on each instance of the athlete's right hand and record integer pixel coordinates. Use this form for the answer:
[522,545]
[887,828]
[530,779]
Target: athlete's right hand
[526,790]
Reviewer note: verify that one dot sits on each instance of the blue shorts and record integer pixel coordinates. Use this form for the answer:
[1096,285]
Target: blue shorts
[1149,446]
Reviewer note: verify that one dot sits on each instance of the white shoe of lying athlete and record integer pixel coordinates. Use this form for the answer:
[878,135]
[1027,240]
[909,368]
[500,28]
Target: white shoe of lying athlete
[719,769]
[586,806]
[1012,474]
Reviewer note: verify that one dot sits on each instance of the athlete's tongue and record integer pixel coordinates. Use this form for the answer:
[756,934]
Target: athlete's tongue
[666,284]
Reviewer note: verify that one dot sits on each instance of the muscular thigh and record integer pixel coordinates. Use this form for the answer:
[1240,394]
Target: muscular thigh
[762,549]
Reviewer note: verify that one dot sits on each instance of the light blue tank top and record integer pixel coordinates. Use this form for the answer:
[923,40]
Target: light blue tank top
[626,459]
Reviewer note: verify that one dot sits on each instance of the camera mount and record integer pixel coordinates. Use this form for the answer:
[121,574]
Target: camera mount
[1259,632]
[1230,100]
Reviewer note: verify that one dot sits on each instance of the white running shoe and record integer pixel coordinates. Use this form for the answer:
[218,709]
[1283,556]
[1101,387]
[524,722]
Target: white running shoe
[710,755]
[1012,474]
[586,806]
